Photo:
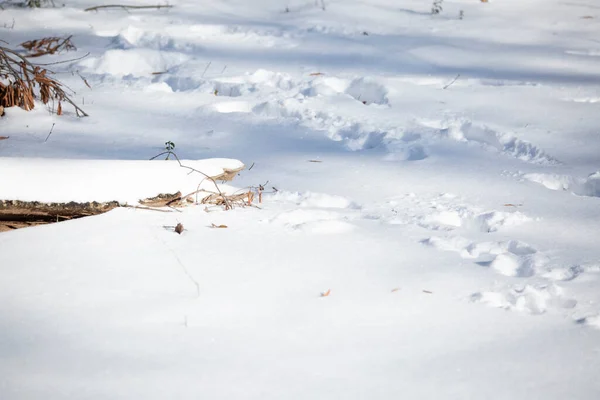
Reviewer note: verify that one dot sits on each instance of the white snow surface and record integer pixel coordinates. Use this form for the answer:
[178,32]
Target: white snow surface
[125,181]
[429,228]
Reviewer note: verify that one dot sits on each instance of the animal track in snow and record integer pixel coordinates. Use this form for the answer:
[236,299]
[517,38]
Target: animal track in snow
[509,258]
[313,200]
[588,53]
[591,320]
[533,299]
[134,62]
[194,37]
[316,213]
[465,131]
[313,221]
[584,99]
[444,212]
[589,186]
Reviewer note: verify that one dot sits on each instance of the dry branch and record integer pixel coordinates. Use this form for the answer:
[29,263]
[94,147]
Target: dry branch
[47,45]
[162,200]
[226,175]
[125,7]
[22,82]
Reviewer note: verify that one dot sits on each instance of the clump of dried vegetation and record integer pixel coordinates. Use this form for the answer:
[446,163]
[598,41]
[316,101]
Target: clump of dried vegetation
[23,82]
[47,45]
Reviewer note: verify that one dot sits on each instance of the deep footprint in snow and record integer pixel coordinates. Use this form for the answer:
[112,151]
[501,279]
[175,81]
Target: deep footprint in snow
[509,258]
[367,91]
[463,130]
[589,187]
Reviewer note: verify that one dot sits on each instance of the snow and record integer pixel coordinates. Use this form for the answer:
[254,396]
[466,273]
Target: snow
[125,181]
[438,177]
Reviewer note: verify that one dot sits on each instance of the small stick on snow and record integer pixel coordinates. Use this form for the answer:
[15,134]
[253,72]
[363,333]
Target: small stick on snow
[146,208]
[125,7]
[206,69]
[450,84]
[48,137]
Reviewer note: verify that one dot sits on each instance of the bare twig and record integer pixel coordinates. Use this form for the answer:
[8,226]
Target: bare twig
[185,270]
[450,84]
[205,69]
[226,202]
[84,80]
[48,137]
[47,45]
[64,61]
[146,208]
[125,7]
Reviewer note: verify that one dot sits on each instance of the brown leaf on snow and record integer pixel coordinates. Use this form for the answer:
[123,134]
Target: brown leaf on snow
[395,289]
[327,293]
[179,228]
[218,226]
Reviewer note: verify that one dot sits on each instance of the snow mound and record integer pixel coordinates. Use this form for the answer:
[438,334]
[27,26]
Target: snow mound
[61,180]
